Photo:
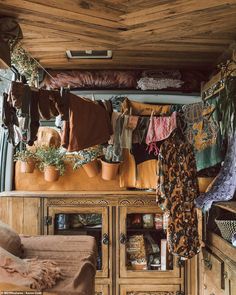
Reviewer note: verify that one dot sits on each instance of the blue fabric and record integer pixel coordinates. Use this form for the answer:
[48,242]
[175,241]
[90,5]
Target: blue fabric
[224,186]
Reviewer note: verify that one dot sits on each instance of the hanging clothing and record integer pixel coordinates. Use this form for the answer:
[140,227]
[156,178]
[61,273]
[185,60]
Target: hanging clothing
[146,175]
[89,124]
[144,109]
[127,170]
[203,133]
[140,132]
[159,129]
[44,104]
[224,187]
[177,189]
[16,94]
[9,119]
[114,117]
[34,119]
[117,148]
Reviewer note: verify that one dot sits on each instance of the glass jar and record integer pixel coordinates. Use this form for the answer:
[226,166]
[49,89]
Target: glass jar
[148,220]
[158,220]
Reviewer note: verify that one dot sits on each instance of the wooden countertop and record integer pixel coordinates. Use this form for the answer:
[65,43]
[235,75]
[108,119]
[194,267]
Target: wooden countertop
[71,194]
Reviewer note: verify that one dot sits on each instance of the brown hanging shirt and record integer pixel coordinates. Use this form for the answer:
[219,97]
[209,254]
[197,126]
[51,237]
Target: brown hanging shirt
[89,124]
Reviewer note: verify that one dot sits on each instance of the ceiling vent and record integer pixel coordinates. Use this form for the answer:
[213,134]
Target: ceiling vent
[89,54]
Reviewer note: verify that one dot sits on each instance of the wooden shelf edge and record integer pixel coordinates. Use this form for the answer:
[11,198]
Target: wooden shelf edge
[224,247]
[229,206]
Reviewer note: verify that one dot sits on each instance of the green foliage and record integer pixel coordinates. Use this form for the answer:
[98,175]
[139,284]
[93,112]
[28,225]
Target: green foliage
[25,64]
[227,106]
[85,156]
[108,153]
[24,156]
[51,156]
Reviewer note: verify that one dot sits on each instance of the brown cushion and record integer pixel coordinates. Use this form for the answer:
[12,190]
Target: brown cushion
[10,240]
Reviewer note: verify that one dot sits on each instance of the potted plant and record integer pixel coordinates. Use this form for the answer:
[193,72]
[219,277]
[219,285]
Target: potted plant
[109,167]
[27,160]
[51,162]
[87,159]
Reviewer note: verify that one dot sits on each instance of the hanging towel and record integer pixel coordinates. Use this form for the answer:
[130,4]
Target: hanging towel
[159,129]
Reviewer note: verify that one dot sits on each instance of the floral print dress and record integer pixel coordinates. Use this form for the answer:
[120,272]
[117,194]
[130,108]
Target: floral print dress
[177,189]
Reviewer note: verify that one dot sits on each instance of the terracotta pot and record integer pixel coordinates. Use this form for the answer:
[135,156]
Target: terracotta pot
[91,168]
[51,173]
[204,182]
[109,170]
[27,166]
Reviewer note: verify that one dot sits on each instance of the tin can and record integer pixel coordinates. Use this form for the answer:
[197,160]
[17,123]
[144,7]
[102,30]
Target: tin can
[62,221]
[148,221]
[158,220]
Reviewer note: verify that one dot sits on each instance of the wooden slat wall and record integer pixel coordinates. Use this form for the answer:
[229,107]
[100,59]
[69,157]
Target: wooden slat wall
[25,214]
[143,34]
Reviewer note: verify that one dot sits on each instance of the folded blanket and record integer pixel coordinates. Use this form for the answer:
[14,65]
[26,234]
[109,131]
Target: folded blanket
[32,273]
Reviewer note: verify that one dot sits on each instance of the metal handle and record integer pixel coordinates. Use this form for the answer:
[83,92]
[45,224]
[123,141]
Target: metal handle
[123,238]
[105,239]
[208,263]
[225,275]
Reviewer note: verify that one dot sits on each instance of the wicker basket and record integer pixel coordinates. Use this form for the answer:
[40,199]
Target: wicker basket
[227,228]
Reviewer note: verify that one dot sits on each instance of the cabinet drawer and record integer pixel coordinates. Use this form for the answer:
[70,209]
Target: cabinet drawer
[101,290]
[213,268]
[151,290]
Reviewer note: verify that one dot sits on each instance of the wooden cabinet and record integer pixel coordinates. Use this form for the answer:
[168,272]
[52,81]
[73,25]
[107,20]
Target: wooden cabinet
[150,290]
[112,230]
[217,263]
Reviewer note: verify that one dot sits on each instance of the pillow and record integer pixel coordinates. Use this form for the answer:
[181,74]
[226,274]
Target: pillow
[10,240]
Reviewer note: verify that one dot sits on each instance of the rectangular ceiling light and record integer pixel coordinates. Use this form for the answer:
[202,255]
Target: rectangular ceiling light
[87,54]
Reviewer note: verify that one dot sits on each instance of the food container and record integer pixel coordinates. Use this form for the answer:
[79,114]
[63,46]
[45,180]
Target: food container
[148,221]
[158,220]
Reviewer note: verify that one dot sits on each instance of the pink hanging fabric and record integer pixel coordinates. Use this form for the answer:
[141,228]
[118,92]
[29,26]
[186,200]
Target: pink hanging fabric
[159,129]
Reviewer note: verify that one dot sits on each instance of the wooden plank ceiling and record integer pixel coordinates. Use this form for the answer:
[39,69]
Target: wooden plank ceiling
[143,34]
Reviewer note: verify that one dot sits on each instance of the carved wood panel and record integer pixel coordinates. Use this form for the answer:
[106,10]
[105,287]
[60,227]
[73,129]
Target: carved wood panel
[98,201]
[151,293]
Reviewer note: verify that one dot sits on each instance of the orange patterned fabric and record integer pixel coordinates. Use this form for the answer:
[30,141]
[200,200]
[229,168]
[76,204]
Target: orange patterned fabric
[177,189]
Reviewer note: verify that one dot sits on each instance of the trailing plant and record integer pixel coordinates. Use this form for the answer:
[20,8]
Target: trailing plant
[25,64]
[85,156]
[25,156]
[51,156]
[108,153]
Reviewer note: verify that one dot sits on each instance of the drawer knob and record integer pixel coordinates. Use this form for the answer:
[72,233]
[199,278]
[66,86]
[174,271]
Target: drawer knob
[205,286]
[208,263]
[225,275]
[123,238]
[105,239]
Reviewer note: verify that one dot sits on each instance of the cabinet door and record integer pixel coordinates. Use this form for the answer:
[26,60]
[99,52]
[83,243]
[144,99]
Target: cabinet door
[230,280]
[101,290]
[150,290]
[212,272]
[134,263]
[83,221]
